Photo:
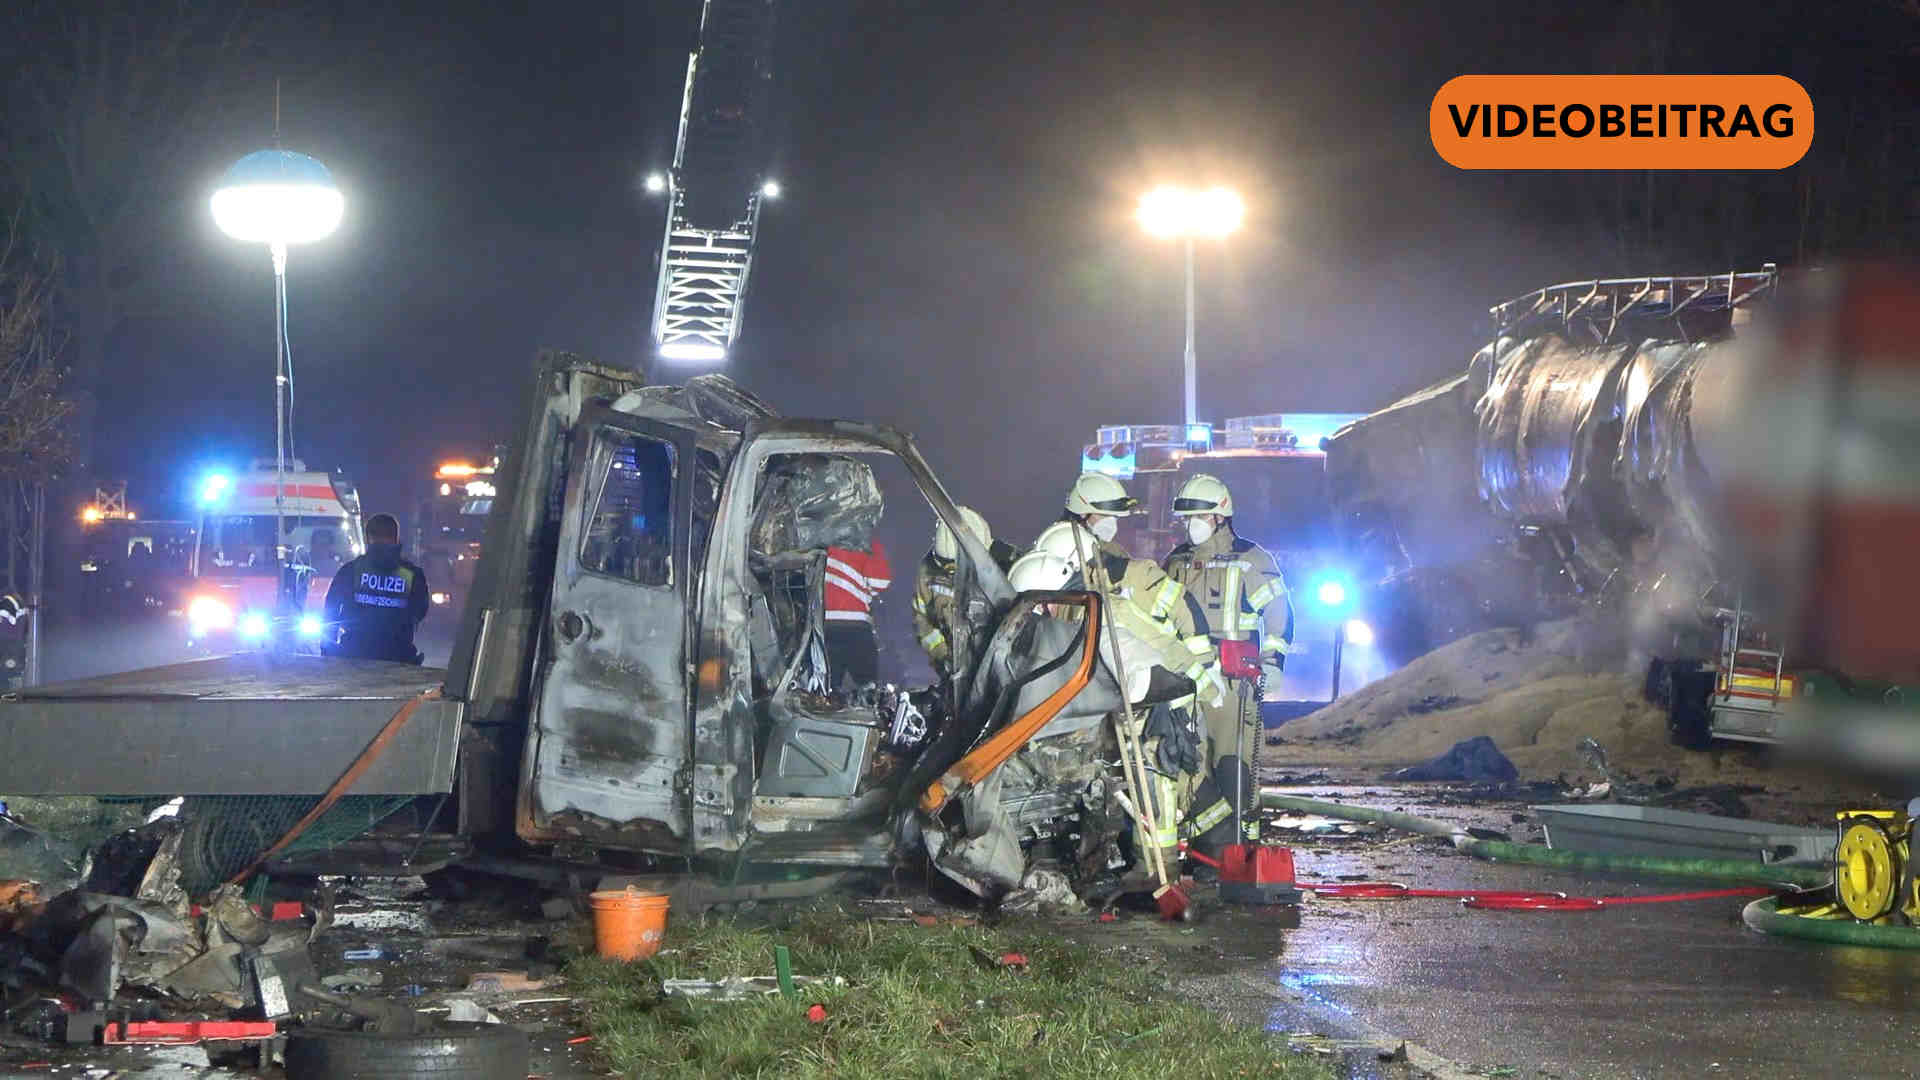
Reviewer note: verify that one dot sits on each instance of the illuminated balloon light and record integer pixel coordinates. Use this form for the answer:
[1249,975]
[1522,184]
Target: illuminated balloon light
[1359,634]
[278,197]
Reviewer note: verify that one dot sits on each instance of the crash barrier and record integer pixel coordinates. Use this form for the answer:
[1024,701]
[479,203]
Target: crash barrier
[627,923]
[1732,871]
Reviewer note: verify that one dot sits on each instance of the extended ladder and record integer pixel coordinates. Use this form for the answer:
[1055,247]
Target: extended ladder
[717,183]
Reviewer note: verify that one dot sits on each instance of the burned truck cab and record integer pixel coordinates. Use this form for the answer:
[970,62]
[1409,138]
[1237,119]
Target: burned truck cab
[644,658]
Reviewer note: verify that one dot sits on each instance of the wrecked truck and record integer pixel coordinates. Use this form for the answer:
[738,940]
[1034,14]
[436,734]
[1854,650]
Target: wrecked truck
[639,682]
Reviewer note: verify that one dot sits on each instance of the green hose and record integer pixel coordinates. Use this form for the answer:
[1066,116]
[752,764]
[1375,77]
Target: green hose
[1737,871]
[1765,916]
[1734,871]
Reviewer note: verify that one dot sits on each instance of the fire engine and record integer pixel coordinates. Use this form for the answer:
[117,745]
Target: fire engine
[236,595]
[448,525]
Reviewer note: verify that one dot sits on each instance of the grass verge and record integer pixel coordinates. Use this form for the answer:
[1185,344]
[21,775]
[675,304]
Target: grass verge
[921,1003]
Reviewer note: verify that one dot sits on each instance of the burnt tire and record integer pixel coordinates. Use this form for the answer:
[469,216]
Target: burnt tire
[452,1051]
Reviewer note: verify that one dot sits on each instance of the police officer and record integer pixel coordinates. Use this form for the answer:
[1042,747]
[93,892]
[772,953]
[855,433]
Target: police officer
[933,599]
[1249,617]
[378,599]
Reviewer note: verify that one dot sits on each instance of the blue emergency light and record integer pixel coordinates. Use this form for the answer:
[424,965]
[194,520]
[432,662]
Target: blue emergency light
[1199,438]
[1332,593]
[214,488]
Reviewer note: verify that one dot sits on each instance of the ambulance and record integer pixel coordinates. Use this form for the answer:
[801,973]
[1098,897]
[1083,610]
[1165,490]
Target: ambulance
[233,598]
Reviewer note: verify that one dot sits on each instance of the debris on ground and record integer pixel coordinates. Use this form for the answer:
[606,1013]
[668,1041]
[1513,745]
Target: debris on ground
[1475,760]
[1044,891]
[963,1016]
[736,988]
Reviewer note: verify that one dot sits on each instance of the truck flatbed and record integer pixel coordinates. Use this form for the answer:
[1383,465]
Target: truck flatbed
[250,724]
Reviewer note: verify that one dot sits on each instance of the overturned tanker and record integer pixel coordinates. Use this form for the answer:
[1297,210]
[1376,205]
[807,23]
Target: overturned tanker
[1570,464]
[640,680]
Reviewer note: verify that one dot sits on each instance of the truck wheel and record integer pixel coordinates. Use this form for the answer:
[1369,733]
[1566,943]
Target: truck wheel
[452,1051]
[1690,706]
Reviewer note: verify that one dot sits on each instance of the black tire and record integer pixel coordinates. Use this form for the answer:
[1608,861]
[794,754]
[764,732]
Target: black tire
[1690,706]
[453,1051]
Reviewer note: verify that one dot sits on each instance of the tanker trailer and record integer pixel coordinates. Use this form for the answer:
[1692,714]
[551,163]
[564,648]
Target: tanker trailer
[1558,472]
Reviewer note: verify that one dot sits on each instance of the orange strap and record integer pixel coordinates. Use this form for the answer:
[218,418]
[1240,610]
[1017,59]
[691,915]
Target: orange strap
[347,779]
[993,753]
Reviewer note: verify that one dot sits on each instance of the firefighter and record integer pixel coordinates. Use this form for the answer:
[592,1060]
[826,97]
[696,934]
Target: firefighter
[1098,501]
[933,599]
[1250,619]
[1164,625]
[377,600]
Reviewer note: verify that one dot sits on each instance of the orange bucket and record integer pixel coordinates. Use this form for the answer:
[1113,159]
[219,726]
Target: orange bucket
[627,923]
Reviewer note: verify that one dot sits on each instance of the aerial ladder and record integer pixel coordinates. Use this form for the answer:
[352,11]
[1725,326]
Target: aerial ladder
[717,183]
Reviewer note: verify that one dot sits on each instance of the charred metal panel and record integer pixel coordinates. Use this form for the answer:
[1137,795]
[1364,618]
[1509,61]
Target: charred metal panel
[1666,483]
[491,666]
[818,756]
[608,748]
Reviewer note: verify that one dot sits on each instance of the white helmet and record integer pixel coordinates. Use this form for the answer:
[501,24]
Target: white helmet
[1098,493]
[1203,494]
[945,546]
[1037,571]
[1066,541]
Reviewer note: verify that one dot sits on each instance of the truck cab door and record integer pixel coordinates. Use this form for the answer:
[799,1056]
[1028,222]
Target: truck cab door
[608,754]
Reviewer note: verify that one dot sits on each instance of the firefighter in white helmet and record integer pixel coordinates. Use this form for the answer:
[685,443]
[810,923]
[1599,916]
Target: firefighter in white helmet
[1163,625]
[1098,501]
[1250,619]
[933,599]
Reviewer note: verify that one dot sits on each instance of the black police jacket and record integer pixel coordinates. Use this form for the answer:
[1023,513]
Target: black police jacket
[376,601]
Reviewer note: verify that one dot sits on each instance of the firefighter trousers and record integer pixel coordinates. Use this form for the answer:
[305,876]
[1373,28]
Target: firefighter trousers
[1169,797]
[1232,729]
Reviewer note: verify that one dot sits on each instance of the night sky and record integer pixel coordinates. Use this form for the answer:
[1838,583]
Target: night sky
[955,252]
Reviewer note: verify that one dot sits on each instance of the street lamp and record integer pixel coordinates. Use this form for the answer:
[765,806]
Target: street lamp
[1186,213]
[278,197]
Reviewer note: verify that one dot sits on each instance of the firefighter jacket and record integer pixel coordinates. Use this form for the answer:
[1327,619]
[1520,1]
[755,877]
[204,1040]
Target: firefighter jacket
[933,600]
[1159,611]
[376,601]
[933,607]
[1238,586]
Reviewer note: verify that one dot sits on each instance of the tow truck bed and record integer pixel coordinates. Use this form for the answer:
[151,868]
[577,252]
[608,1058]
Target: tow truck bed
[234,725]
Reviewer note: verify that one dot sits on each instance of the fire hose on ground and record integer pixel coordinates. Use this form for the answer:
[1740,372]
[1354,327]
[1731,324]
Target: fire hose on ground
[1731,871]
[1819,922]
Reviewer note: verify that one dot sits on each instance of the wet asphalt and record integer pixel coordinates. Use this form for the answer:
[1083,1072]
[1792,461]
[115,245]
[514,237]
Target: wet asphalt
[1659,990]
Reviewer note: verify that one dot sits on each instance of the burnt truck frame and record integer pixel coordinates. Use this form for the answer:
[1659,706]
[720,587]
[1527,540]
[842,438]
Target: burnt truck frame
[600,719]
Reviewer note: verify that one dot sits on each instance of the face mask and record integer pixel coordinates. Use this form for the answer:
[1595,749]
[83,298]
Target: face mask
[1199,530]
[1106,528]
